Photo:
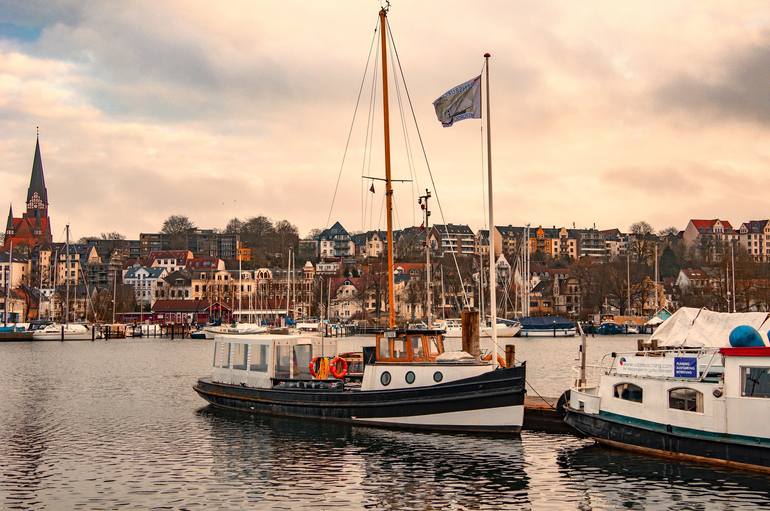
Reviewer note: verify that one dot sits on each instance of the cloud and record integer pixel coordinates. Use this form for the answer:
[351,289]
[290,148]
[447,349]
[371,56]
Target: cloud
[735,89]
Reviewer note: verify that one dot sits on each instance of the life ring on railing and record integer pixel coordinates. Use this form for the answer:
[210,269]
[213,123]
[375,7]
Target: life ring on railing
[339,374]
[312,368]
[500,359]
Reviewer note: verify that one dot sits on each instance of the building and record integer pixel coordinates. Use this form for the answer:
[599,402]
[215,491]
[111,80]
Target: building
[709,237]
[33,228]
[693,279]
[144,280]
[509,239]
[203,242]
[591,243]
[452,239]
[171,260]
[615,242]
[15,273]
[205,263]
[754,238]
[556,243]
[481,243]
[335,242]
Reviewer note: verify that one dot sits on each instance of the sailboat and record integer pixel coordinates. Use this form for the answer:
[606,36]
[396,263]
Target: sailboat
[409,380]
[65,331]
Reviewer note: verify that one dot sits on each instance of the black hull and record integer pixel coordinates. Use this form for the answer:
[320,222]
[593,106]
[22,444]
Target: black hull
[495,389]
[661,442]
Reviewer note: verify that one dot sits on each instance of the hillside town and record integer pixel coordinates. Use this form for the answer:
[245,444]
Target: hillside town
[263,270]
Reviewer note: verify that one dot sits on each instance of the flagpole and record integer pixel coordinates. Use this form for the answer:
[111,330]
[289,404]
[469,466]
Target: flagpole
[492,276]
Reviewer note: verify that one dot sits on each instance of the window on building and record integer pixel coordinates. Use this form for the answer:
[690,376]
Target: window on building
[258,355]
[756,382]
[628,392]
[689,400]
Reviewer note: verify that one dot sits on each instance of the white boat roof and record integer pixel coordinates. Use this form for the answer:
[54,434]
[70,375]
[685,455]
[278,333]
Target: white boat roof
[702,328]
[262,338]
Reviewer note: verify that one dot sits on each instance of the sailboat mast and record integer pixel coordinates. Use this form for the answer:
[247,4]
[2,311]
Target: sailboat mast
[428,289]
[8,283]
[492,273]
[388,184]
[67,278]
[240,278]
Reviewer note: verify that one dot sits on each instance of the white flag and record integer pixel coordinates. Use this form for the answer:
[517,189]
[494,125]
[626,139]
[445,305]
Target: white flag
[461,102]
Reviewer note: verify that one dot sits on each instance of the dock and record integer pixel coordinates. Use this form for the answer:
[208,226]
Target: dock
[542,414]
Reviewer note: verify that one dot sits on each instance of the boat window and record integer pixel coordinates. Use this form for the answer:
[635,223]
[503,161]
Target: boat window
[435,346]
[409,378]
[756,382]
[628,392]
[239,356]
[399,349]
[438,376]
[689,400]
[283,361]
[302,355]
[383,351]
[222,354]
[258,355]
[415,343]
[385,379]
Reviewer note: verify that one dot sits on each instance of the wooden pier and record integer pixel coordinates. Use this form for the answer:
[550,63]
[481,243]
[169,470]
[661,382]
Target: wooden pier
[542,414]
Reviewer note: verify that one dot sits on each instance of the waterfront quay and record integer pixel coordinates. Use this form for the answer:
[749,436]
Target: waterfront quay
[109,424]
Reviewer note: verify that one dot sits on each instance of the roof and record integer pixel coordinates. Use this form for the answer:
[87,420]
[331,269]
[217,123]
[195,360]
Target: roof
[203,263]
[37,180]
[180,305]
[153,273]
[755,226]
[509,231]
[694,273]
[455,229]
[4,258]
[179,255]
[179,274]
[334,230]
[708,225]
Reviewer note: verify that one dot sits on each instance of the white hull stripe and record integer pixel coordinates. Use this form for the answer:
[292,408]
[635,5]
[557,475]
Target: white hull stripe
[511,416]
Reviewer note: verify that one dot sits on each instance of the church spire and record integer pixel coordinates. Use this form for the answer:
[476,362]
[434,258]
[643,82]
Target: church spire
[37,182]
[9,225]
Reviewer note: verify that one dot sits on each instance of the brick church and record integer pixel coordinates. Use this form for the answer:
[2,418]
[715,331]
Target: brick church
[33,229]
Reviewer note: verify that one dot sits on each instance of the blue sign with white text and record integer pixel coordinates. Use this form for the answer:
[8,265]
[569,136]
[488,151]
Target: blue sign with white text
[685,367]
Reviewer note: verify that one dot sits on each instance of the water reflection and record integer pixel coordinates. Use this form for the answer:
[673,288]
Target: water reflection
[339,464]
[609,478]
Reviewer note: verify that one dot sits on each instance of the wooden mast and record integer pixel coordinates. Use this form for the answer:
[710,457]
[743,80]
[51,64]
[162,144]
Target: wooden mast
[492,262]
[388,185]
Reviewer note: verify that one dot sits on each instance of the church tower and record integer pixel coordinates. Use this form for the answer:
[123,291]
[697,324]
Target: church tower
[37,194]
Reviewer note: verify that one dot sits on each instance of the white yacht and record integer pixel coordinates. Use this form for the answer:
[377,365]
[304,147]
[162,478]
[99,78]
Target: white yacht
[453,328]
[66,332]
[700,390]
[234,329]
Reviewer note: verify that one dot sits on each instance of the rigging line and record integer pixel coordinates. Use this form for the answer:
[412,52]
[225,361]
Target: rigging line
[372,113]
[350,131]
[369,139]
[427,164]
[407,143]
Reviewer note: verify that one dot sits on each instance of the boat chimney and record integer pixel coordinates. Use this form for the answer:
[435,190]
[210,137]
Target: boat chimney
[470,332]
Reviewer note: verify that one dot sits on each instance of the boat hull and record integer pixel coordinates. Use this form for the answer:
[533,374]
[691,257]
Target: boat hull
[490,403]
[560,332]
[662,440]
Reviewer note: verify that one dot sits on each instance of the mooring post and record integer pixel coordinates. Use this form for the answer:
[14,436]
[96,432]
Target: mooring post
[62,332]
[93,333]
[470,332]
[510,355]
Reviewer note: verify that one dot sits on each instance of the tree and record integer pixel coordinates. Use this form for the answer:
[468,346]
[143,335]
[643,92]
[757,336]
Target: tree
[234,226]
[668,231]
[643,241]
[669,265]
[111,236]
[177,224]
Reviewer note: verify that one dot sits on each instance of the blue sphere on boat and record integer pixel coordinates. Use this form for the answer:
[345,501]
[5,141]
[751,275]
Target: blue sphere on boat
[745,336]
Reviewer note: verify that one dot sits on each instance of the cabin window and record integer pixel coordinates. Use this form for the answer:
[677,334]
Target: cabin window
[239,356]
[628,392]
[756,382]
[435,346]
[689,400]
[258,355]
[383,352]
[415,343]
[283,361]
[222,354]
[399,349]
[302,355]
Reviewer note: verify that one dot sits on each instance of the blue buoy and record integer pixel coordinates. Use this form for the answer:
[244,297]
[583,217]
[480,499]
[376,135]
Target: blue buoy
[745,336]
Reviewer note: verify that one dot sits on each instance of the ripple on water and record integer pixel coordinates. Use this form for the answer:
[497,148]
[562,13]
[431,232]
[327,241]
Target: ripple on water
[110,425]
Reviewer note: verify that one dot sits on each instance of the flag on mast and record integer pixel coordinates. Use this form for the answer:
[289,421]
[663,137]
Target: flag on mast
[461,102]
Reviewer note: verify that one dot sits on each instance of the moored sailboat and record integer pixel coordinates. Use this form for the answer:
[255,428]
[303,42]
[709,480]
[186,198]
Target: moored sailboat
[409,380]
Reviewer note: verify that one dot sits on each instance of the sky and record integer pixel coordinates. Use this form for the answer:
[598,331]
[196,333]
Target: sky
[603,112]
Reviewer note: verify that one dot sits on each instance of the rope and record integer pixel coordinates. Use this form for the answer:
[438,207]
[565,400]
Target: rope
[538,395]
[350,131]
[427,163]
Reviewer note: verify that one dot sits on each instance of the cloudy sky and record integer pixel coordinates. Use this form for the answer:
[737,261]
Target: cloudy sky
[603,112]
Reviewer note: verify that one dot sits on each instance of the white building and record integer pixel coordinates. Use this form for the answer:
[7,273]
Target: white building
[145,281]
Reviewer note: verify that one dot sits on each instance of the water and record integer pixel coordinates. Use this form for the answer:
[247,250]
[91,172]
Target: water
[116,424]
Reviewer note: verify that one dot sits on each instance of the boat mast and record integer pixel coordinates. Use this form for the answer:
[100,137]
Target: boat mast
[429,298]
[492,275]
[114,293]
[67,278]
[8,281]
[240,273]
[656,278]
[388,184]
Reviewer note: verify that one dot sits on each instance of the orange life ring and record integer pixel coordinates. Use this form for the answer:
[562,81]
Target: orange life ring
[311,366]
[339,374]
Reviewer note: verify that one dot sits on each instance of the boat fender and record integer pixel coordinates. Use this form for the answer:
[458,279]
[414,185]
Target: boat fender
[500,359]
[339,374]
[562,402]
[717,393]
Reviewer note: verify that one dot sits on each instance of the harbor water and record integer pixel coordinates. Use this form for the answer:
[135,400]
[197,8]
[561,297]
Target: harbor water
[116,424]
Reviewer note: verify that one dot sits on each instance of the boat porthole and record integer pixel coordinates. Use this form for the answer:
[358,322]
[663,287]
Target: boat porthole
[437,376]
[385,379]
[409,377]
